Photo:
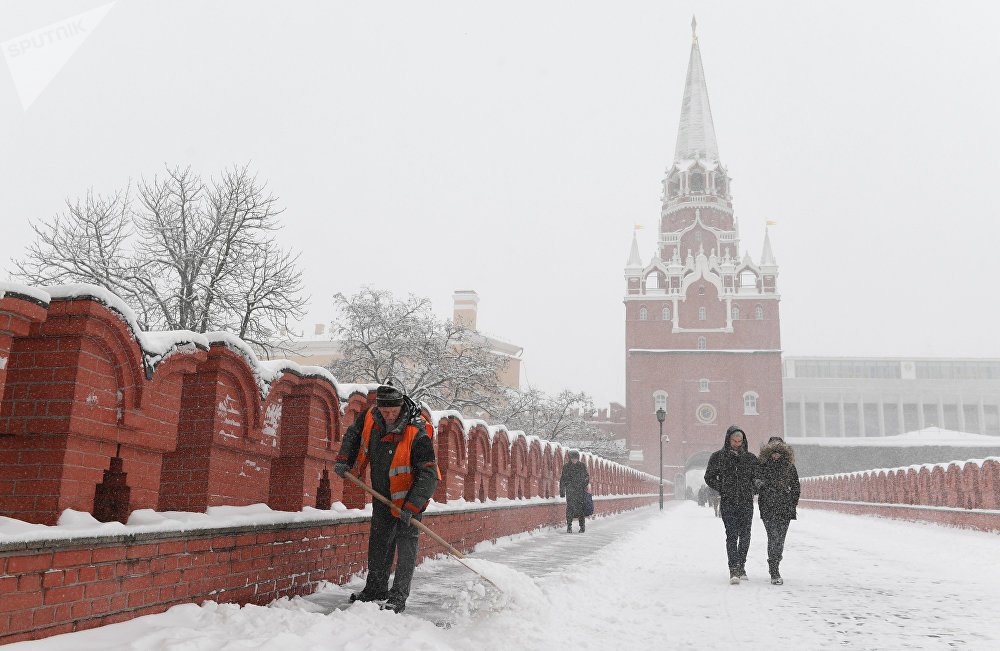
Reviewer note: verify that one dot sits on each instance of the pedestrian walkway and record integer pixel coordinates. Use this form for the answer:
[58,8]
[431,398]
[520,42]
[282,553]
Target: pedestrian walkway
[640,580]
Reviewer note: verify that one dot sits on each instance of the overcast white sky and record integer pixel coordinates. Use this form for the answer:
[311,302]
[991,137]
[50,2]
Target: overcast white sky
[509,147]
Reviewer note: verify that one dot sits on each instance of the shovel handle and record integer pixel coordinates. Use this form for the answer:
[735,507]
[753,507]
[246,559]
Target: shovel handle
[420,525]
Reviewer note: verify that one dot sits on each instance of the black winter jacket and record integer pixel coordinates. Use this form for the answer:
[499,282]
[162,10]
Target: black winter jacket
[573,484]
[382,447]
[732,473]
[779,494]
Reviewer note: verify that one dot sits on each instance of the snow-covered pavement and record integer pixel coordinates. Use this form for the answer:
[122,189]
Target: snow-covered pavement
[641,580]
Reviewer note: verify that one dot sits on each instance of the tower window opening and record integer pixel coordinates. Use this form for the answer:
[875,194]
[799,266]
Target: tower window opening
[703,385]
[702,343]
[750,403]
[736,313]
[666,312]
[748,280]
[701,314]
[701,290]
[758,313]
[643,313]
[697,182]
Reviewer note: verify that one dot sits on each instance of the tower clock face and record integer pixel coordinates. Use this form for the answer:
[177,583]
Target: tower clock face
[706,414]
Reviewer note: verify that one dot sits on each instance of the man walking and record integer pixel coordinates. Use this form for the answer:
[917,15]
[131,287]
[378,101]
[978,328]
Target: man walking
[731,471]
[393,439]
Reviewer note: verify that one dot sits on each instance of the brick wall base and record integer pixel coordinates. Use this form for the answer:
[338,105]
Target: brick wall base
[980,519]
[59,586]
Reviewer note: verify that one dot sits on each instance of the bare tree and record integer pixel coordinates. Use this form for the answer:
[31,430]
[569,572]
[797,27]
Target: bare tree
[186,254]
[437,361]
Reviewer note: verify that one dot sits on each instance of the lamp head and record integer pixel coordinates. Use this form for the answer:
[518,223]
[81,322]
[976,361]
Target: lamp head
[661,414]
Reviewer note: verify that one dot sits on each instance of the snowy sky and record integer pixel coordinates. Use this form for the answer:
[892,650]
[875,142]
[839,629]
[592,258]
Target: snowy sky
[509,147]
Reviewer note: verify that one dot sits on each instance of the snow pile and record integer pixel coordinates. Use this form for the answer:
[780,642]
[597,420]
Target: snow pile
[902,586]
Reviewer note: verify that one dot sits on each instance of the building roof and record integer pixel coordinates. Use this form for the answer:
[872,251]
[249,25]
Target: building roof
[696,133]
[927,437]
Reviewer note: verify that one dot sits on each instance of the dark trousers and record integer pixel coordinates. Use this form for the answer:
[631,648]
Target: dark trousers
[388,541]
[776,532]
[737,518]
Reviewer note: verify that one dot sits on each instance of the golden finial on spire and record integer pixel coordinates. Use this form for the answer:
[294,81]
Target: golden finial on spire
[694,29]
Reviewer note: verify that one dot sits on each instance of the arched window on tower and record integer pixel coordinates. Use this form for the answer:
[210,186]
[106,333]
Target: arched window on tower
[703,385]
[701,314]
[674,185]
[758,313]
[736,312]
[666,312]
[643,313]
[696,181]
[702,343]
[659,400]
[750,399]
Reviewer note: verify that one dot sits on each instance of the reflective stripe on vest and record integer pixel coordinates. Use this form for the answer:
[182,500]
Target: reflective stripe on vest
[400,471]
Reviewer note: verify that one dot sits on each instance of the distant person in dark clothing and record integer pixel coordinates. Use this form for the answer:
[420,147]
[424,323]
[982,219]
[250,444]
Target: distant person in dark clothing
[392,438]
[573,486]
[702,495]
[731,471]
[713,499]
[778,486]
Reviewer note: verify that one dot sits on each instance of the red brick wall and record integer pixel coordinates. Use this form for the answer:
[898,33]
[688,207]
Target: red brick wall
[959,493]
[54,587]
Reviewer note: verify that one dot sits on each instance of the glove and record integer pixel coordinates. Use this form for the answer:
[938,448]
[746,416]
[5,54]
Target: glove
[404,517]
[340,468]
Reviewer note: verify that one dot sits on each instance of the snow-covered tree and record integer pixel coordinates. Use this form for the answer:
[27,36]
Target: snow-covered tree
[565,417]
[184,253]
[434,360]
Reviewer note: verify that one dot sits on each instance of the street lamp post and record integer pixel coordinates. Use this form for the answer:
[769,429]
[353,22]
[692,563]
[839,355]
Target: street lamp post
[661,415]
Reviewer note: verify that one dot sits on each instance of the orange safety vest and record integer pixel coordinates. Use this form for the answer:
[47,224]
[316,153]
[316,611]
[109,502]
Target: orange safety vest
[400,471]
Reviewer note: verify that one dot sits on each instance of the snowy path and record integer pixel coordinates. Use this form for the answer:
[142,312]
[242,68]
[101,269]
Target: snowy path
[641,580]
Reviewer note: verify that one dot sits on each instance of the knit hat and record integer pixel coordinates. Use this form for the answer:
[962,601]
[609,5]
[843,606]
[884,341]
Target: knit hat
[574,454]
[388,396]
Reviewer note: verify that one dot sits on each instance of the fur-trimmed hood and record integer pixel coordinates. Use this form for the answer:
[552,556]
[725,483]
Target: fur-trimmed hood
[776,444]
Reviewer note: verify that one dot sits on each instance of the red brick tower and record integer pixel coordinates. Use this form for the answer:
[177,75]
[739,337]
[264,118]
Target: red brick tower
[702,333]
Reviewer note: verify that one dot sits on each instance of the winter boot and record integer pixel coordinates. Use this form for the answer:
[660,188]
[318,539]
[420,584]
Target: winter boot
[775,575]
[569,527]
[742,573]
[364,595]
[583,525]
[734,576]
[395,603]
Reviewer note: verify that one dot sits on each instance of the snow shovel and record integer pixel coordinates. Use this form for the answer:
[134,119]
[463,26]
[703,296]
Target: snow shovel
[420,525]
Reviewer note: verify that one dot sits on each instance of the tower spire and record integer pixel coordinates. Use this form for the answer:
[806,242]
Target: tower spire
[696,134]
[634,259]
[767,256]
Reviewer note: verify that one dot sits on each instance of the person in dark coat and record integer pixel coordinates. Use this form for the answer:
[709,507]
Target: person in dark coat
[731,471]
[778,487]
[394,421]
[573,486]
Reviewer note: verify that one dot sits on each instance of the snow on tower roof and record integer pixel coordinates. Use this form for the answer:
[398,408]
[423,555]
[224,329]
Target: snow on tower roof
[634,259]
[696,133]
[767,256]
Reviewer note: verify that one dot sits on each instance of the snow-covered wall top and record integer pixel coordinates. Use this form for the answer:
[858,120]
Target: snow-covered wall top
[915,468]
[157,346]
[32,293]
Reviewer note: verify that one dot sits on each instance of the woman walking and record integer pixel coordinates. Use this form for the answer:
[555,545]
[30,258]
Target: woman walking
[573,486]
[778,486]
